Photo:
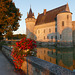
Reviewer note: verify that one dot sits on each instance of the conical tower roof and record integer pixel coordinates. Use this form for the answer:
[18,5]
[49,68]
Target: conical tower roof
[31,14]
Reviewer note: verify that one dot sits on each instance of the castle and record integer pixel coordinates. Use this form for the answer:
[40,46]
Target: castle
[55,25]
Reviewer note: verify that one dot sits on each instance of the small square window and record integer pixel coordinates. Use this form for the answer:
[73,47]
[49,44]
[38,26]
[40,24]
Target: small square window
[62,23]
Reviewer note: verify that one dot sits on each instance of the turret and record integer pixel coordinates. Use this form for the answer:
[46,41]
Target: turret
[30,22]
[64,26]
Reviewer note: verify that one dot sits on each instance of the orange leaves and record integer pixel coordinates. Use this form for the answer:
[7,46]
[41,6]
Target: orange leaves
[9,15]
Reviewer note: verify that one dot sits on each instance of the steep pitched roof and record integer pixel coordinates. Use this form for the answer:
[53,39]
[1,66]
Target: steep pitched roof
[31,14]
[50,16]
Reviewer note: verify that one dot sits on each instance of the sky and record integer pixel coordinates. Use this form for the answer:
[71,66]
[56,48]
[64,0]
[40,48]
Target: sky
[37,7]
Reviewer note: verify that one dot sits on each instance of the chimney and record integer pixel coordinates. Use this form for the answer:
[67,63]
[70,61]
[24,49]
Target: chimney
[38,14]
[44,11]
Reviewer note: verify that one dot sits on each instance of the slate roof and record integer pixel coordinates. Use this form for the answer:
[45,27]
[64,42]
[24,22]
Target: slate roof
[30,15]
[50,15]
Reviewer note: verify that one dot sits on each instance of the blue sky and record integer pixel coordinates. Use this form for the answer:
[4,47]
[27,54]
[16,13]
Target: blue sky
[37,7]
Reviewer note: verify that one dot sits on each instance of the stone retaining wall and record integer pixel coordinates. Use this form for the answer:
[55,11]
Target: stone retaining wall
[35,66]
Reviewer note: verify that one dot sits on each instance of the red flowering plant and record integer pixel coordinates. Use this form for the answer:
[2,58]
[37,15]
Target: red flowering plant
[22,49]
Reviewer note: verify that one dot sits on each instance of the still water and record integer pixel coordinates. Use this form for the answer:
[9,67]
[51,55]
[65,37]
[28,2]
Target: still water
[64,57]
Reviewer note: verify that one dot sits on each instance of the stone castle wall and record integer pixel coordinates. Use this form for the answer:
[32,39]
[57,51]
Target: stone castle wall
[73,29]
[53,31]
[44,32]
[30,22]
[64,27]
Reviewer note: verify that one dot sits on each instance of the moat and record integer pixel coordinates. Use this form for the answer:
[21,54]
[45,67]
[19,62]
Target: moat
[64,57]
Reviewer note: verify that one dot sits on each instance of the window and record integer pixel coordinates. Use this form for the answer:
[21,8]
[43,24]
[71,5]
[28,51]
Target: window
[60,36]
[55,37]
[44,51]
[62,23]
[55,29]
[44,37]
[51,37]
[49,30]
[52,51]
[44,30]
[67,16]
[47,37]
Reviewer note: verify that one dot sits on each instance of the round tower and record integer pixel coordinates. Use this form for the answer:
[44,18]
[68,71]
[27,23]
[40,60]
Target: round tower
[30,22]
[64,27]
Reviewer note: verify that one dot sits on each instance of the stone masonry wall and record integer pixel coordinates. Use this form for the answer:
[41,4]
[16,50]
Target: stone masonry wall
[35,66]
[73,31]
[30,22]
[44,32]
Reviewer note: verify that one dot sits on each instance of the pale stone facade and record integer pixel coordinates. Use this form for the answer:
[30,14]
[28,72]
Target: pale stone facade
[43,32]
[53,26]
[64,30]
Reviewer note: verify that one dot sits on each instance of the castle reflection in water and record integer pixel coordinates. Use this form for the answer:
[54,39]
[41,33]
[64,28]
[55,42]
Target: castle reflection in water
[64,57]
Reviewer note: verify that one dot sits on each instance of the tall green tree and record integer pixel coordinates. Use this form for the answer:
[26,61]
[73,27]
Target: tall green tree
[9,17]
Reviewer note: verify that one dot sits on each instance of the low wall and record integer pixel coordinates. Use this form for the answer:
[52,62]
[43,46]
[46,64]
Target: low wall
[7,52]
[35,66]
[64,44]
[58,44]
[45,43]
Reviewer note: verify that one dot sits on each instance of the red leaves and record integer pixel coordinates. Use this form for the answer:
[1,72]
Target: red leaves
[23,48]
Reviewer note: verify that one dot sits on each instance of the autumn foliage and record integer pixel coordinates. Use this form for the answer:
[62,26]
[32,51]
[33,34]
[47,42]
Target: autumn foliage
[23,49]
[9,16]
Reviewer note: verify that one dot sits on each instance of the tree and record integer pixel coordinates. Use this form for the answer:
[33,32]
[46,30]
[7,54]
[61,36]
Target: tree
[19,36]
[9,35]
[9,17]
